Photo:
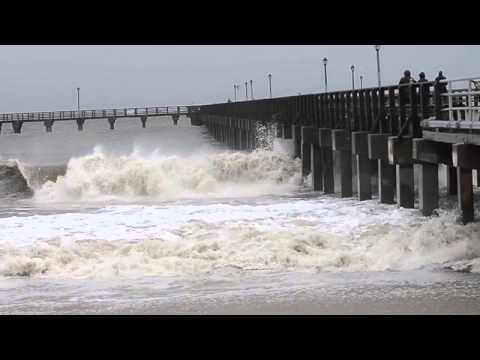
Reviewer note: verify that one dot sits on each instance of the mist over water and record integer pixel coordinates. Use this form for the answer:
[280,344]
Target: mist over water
[173,214]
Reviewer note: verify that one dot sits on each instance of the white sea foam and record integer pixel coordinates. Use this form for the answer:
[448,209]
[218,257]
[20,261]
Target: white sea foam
[327,234]
[321,234]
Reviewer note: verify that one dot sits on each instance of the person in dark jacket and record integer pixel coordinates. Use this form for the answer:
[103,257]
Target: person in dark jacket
[422,77]
[425,90]
[442,88]
[404,90]
[442,85]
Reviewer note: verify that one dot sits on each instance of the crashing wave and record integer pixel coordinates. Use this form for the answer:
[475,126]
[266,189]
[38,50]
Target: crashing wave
[100,176]
[12,181]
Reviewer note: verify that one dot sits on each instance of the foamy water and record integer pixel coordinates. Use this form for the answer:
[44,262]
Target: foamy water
[150,212]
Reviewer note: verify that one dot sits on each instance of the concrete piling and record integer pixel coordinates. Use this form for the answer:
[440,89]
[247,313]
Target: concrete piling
[428,155]
[360,150]
[342,157]
[143,119]
[111,121]
[17,126]
[325,143]
[48,125]
[400,154]
[465,158]
[316,163]
[378,150]
[297,141]
[80,123]
[307,139]
[287,132]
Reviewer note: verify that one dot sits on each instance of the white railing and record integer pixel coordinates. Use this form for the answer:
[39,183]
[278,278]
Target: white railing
[461,105]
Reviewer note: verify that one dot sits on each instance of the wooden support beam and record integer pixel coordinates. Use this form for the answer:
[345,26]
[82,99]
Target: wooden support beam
[431,152]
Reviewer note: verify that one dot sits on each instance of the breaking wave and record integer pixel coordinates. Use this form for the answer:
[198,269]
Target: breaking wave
[101,177]
[12,182]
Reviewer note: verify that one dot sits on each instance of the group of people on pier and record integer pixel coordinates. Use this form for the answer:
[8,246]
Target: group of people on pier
[408,79]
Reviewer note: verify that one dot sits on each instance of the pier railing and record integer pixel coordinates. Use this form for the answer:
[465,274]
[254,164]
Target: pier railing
[386,132]
[461,108]
[396,109]
[94,114]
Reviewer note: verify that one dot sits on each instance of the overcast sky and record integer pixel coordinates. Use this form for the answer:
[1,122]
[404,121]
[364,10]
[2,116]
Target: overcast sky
[44,78]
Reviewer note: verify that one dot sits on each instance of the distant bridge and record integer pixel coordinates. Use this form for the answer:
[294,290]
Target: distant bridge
[49,118]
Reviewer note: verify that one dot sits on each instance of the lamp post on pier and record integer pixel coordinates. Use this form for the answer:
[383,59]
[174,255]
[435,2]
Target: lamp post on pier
[78,98]
[251,89]
[377,48]
[353,76]
[325,61]
[270,84]
[361,82]
[246,90]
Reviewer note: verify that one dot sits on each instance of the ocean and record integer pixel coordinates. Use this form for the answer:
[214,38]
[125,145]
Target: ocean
[165,220]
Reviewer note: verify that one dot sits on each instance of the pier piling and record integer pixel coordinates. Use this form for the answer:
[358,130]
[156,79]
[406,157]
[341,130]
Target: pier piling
[465,158]
[378,150]
[325,143]
[111,122]
[342,157]
[316,165]
[364,170]
[400,154]
[307,139]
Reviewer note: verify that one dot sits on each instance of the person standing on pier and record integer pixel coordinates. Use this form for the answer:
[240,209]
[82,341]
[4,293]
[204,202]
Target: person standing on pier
[406,79]
[442,89]
[442,85]
[425,90]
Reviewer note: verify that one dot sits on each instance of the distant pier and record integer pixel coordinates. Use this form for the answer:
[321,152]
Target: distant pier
[48,118]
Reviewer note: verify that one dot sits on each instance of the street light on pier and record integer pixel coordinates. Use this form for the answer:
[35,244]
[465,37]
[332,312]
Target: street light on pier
[270,84]
[377,48]
[251,89]
[361,82]
[353,76]
[325,61]
[78,98]
[246,90]
[235,92]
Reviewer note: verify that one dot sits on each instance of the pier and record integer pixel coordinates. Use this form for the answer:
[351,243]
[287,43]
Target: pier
[357,142]
[363,141]
[80,116]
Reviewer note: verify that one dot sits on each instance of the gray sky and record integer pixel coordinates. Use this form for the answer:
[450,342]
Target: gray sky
[44,78]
